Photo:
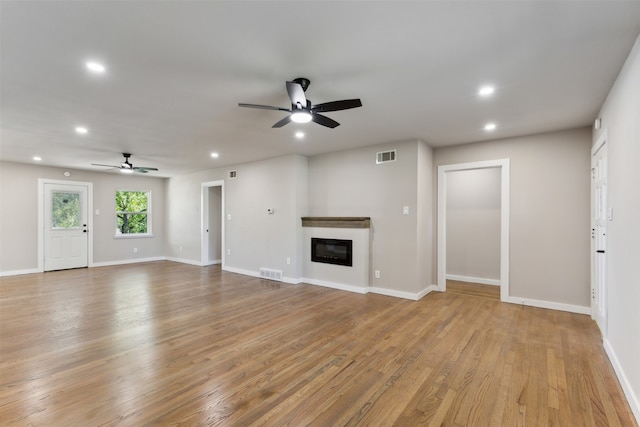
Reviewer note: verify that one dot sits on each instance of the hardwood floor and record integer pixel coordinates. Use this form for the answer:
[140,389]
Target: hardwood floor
[170,344]
[475,289]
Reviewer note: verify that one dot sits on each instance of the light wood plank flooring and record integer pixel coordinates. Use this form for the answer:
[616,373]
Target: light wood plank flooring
[170,344]
[475,289]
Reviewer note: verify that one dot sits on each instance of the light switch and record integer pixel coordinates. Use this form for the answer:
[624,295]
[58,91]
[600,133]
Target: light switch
[405,210]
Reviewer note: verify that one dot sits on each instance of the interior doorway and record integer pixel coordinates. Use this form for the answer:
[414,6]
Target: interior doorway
[212,235]
[444,172]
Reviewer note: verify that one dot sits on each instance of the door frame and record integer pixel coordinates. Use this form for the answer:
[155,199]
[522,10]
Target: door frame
[601,143]
[503,164]
[204,222]
[41,209]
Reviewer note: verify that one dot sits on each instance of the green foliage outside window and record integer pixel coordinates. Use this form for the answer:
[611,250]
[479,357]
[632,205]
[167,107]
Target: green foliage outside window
[132,212]
[65,210]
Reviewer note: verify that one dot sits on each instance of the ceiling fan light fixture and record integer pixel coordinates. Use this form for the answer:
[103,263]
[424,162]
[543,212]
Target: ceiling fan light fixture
[126,170]
[486,91]
[301,117]
[95,67]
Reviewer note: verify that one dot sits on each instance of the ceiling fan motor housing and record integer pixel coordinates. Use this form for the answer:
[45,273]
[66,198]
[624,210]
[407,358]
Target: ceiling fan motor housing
[302,82]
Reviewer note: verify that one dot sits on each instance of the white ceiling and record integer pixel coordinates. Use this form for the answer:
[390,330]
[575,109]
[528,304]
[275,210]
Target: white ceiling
[176,71]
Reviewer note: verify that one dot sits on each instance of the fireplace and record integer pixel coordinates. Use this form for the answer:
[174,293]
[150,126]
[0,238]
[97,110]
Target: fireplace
[332,251]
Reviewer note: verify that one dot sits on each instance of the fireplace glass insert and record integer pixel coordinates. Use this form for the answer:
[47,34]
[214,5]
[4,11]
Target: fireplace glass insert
[332,251]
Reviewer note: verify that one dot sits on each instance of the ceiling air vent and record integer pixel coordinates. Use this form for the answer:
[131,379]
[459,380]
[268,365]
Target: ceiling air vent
[233,174]
[386,156]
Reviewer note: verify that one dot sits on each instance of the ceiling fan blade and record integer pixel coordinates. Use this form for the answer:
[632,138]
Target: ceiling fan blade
[282,122]
[144,169]
[263,107]
[324,121]
[345,104]
[107,166]
[296,94]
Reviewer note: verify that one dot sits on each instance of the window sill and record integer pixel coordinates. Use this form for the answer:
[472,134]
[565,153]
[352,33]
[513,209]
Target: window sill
[132,236]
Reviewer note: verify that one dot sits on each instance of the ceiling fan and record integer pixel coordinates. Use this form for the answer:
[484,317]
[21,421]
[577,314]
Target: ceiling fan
[127,167]
[303,111]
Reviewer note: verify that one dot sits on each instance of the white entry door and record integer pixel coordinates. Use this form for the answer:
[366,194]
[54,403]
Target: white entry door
[65,226]
[599,237]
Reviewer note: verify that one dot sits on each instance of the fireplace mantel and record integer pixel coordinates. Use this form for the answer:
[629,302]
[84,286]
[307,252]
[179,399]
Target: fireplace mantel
[337,221]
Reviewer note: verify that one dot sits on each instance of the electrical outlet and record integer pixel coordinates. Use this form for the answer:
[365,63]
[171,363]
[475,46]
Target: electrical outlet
[228,251]
[288,261]
[377,274]
[180,248]
[135,250]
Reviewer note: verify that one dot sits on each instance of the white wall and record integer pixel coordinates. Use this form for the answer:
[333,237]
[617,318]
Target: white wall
[350,183]
[19,215]
[621,120]
[346,183]
[184,215]
[549,212]
[473,224]
[254,238]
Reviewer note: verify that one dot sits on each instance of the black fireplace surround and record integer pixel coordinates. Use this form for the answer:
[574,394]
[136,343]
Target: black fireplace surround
[332,251]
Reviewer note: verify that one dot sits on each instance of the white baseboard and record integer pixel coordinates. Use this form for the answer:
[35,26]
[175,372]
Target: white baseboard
[242,271]
[127,261]
[340,286]
[402,294]
[289,280]
[550,305]
[19,272]
[186,261]
[92,265]
[214,262]
[632,398]
[479,280]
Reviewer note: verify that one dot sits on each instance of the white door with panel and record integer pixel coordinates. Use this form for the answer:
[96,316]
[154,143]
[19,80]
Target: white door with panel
[599,218]
[65,226]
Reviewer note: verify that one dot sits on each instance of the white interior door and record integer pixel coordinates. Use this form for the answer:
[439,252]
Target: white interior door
[65,226]
[599,237]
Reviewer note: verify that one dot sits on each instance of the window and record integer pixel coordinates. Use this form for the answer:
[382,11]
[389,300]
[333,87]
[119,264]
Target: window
[65,210]
[133,213]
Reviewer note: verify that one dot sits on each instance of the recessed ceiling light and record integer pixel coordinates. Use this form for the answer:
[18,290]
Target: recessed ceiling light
[215,155]
[95,67]
[37,158]
[490,126]
[299,134]
[81,130]
[486,90]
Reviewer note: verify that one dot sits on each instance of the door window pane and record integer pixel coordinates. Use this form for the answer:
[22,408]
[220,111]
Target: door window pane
[65,212]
